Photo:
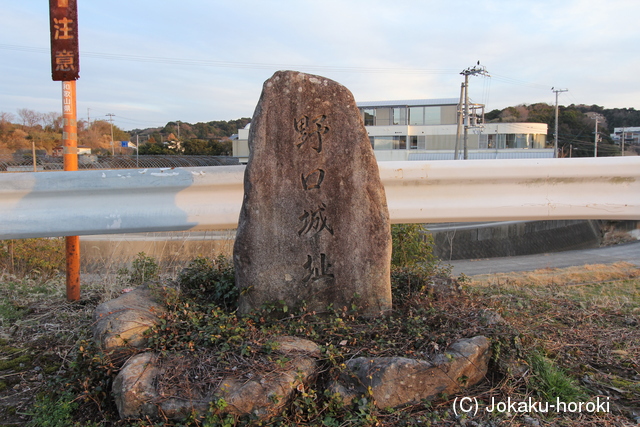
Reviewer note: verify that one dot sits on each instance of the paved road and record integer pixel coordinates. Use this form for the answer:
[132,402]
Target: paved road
[629,252]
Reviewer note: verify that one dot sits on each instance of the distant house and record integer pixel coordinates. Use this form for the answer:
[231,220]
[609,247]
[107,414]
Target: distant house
[630,135]
[82,149]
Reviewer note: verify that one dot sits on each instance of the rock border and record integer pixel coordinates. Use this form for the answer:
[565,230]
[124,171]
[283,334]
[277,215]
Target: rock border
[391,381]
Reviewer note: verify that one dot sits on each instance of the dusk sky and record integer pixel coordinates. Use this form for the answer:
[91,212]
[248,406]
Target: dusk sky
[150,62]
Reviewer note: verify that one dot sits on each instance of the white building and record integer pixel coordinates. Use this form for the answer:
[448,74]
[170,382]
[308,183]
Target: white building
[631,135]
[427,130]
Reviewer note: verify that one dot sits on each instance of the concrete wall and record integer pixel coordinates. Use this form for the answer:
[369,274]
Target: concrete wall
[452,241]
[490,240]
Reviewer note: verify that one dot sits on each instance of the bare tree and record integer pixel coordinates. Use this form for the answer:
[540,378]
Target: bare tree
[29,118]
[6,117]
[52,121]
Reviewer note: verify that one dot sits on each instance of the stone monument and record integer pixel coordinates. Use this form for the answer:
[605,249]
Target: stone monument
[314,225]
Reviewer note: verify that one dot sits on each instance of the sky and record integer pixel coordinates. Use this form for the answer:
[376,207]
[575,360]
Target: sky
[150,62]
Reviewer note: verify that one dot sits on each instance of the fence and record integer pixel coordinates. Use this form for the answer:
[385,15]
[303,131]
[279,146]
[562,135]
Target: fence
[21,163]
[47,204]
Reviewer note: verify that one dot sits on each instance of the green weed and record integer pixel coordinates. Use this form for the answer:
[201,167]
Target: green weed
[10,311]
[551,382]
[210,281]
[55,411]
[143,269]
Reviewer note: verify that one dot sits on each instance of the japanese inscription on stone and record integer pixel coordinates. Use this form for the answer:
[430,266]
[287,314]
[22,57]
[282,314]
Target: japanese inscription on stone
[314,225]
[311,132]
[314,221]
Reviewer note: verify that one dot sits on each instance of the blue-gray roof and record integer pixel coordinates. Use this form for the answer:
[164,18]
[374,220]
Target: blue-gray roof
[409,102]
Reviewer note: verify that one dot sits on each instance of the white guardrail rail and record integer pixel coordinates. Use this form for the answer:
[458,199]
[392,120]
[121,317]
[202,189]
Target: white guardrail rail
[89,202]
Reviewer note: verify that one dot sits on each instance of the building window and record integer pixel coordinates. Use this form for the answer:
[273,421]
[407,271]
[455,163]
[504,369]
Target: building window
[521,140]
[431,115]
[419,116]
[491,141]
[383,143]
[369,116]
[416,116]
[483,141]
[399,116]
[390,143]
[400,142]
[538,141]
[413,142]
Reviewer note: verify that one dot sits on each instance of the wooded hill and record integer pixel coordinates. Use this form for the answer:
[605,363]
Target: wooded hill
[19,133]
[210,138]
[576,125]
[44,130]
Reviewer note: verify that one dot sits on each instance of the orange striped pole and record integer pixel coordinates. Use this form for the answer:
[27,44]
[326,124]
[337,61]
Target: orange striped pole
[70,159]
[65,68]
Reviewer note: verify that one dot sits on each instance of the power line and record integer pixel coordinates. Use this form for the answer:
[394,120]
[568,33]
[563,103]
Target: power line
[518,82]
[232,64]
[126,119]
[258,65]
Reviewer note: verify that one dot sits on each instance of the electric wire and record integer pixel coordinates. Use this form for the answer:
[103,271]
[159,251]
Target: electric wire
[232,64]
[254,65]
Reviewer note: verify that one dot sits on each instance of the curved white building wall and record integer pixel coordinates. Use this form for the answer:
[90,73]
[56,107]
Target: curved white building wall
[427,130]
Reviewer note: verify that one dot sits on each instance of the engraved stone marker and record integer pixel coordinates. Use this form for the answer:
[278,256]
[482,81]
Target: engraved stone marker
[314,224]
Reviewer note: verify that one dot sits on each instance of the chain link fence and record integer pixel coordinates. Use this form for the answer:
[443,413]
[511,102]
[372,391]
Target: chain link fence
[22,163]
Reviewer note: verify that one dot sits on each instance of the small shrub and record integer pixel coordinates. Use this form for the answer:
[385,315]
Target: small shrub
[143,269]
[210,281]
[409,282]
[24,257]
[411,246]
[413,264]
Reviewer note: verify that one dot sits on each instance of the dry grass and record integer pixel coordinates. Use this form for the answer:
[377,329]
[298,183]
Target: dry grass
[586,319]
[586,274]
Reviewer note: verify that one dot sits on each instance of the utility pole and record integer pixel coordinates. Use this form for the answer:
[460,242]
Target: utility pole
[471,71]
[111,120]
[459,121]
[595,150]
[555,133]
[622,143]
[466,116]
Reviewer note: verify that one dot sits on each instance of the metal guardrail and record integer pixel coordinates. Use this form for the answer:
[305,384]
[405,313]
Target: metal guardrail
[48,204]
